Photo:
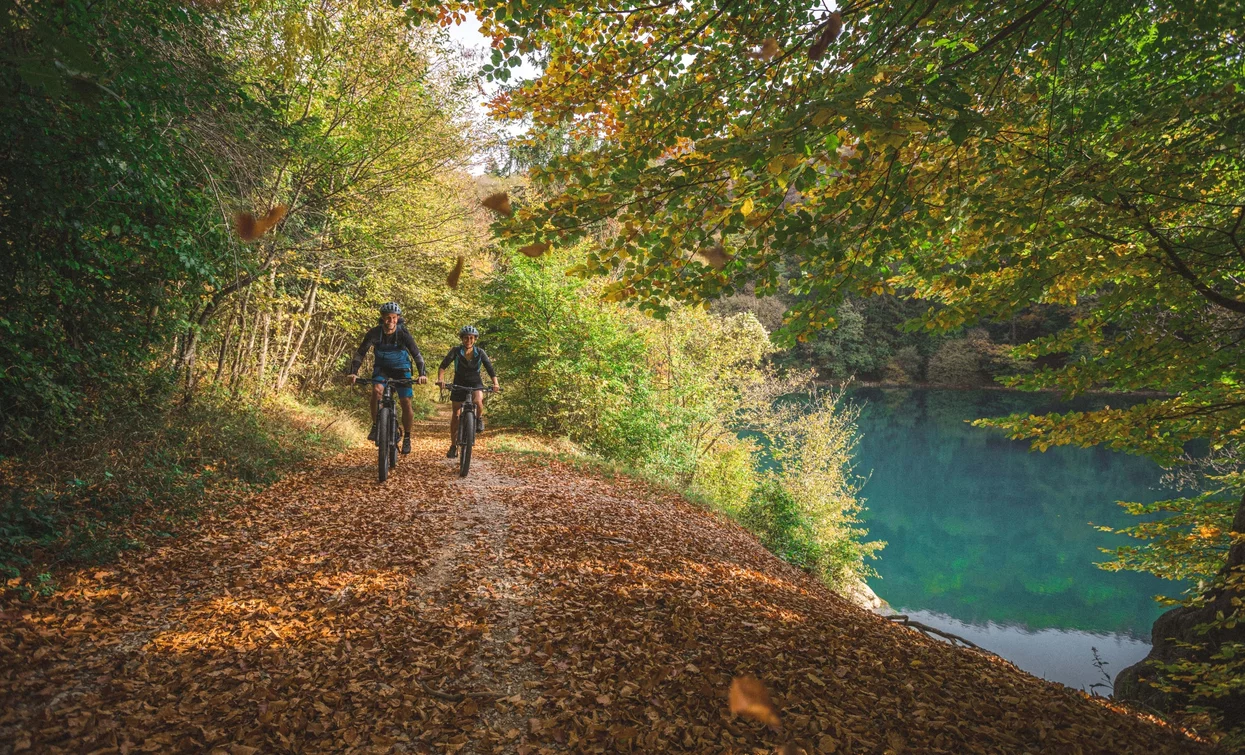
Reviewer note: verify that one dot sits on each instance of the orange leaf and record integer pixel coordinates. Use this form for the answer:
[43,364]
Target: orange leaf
[750,699]
[830,32]
[715,256]
[455,274]
[499,203]
[250,227]
[534,250]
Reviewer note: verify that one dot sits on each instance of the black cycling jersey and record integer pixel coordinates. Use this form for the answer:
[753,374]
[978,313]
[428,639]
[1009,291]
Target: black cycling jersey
[376,337]
[467,371]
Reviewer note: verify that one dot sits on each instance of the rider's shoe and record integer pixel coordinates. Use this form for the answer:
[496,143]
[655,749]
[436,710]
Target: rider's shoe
[450,454]
[372,435]
[479,424]
[406,444]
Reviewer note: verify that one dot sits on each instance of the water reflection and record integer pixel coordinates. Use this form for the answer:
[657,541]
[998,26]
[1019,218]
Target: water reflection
[1063,655]
[985,533]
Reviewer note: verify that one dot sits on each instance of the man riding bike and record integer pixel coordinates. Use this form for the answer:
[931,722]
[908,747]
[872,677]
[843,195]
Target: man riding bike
[394,349]
[467,359]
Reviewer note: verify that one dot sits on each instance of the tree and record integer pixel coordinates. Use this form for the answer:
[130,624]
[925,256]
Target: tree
[109,230]
[981,157]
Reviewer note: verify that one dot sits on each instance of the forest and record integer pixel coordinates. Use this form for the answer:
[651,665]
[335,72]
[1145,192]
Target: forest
[668,220]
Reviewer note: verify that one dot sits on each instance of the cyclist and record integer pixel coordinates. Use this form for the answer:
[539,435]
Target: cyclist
[394,349]
[467,359]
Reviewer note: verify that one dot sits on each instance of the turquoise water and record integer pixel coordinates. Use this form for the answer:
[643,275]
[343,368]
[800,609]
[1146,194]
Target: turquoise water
[994,542]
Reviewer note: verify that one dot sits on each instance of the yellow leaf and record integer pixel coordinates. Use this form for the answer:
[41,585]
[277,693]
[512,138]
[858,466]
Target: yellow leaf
[746,208]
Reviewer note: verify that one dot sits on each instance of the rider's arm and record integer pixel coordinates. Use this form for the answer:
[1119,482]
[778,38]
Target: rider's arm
[488,366]
[361,353]
[445,363]
[409,343]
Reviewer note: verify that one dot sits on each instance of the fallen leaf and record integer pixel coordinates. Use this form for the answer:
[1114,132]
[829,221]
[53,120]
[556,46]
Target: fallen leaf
[250,227]
[750,699]
[768,51]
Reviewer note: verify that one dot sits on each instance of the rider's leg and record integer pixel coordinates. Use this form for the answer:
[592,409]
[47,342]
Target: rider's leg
[478,397]
[458,410]
[408,416]
[377,391]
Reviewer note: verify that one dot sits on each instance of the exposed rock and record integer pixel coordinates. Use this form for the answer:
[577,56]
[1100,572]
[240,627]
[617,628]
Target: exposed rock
[1178,626]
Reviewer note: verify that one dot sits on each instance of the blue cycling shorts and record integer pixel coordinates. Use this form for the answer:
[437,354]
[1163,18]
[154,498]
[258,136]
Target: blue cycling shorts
[404,391]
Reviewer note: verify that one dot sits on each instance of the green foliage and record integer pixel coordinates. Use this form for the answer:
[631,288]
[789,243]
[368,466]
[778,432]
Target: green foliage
[812,442]
[572,368]
[108,229]
[668,397]
[776,518]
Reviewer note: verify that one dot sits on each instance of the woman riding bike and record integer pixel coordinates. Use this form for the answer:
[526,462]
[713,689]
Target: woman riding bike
[394,349]
[467,359]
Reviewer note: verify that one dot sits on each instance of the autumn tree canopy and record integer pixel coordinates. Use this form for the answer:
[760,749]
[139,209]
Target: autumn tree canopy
[980,157]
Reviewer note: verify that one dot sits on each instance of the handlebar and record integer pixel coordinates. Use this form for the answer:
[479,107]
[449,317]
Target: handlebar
[469,388]
[383,380]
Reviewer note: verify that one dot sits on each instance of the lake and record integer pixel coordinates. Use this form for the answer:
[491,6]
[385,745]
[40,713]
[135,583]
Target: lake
[994,542]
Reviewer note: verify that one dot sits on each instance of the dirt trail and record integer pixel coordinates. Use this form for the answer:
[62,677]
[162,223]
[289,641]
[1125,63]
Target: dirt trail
[527,609]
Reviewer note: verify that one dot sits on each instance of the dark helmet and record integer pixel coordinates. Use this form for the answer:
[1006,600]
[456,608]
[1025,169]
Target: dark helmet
[388,307]
[469,330]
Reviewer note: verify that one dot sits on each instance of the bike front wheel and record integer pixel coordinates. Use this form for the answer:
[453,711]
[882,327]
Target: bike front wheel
[466,439]
[393,441]
[383,444]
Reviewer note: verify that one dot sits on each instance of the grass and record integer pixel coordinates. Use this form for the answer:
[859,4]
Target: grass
[151,475]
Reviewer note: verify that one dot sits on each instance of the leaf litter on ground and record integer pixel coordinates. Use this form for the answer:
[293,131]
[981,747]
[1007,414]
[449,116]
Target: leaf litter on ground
[532,608]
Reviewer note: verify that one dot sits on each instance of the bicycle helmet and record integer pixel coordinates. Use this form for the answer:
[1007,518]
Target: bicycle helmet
[388,307]
[469,330]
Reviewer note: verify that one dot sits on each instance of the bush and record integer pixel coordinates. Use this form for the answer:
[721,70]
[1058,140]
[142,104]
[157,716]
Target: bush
[813,442]
[958,362]
[779,522]
[574,369]
[669,398]
[905,366]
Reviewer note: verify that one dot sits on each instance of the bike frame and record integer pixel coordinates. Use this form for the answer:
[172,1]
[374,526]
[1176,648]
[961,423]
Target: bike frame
[387,415]
[466,425]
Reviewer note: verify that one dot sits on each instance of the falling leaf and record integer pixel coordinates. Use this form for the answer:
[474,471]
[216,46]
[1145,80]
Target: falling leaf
[499,203]
[830,32]
[750,699]
[250,227]
[768,51]
[715,256]
[535,249]
[455,274]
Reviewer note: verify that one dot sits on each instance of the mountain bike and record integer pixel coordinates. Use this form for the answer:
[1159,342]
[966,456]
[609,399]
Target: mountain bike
[466,426]
[387,437]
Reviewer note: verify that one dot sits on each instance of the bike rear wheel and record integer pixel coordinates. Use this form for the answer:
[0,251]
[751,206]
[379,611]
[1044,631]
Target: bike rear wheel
[466,439]
[383,444]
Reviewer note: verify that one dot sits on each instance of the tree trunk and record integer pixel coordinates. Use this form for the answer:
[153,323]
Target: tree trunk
[250,350]
[1179,626]
[224,346]
[309,309]
[263,353]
